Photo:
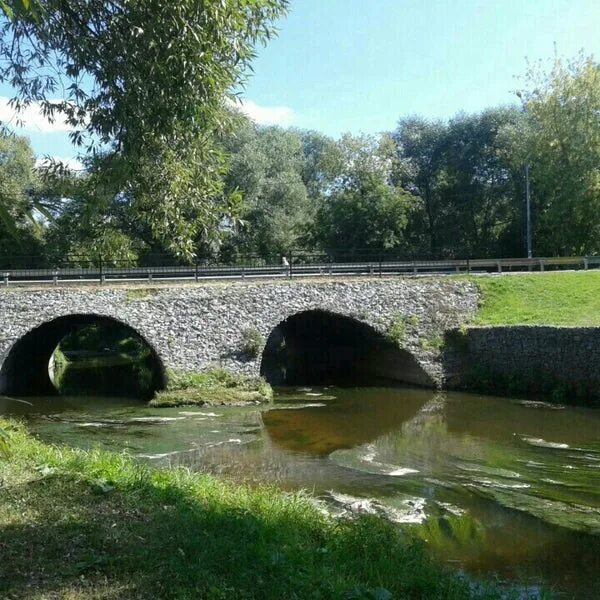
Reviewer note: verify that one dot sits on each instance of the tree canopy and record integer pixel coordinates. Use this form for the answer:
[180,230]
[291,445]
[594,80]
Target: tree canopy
[226,186]
[143,85]
[563,147]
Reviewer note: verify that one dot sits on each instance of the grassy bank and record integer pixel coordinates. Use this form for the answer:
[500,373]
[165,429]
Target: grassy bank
[557,298]
[76,524]
[212,388]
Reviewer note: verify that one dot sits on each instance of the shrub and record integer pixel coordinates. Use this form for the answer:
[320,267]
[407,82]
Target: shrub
[252,342]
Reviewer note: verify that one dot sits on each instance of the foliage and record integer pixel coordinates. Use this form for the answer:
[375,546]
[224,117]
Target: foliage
[205,181]
[144,86]
[397,330]
[362,209]
[563,148]
[540,299]
[432,344]
[4,443]
[470,192]
[93,223]
[142,532]
[267,167]
[371,217]
[253,342]
[19,207]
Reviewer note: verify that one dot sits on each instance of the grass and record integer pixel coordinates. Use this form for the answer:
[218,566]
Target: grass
[134,294]
[93,524]
[212,388]
[540,299]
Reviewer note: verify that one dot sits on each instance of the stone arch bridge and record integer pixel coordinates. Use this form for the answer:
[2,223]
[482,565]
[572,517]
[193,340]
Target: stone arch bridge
[324,324]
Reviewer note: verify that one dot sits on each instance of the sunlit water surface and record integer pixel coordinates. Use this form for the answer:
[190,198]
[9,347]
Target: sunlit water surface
[495,486]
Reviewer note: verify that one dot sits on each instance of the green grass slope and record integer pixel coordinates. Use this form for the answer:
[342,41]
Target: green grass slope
[567,298]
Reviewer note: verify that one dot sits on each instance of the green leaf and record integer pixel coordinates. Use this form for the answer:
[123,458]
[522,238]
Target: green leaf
[7,10]
[4,443]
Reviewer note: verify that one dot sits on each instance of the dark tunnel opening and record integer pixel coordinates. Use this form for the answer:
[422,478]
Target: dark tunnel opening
[322,348]
[82,355]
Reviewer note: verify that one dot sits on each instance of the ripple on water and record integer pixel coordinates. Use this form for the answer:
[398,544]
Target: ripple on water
[407,510]
[541,443]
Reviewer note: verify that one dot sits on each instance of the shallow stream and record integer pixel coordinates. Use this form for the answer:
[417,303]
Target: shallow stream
[496,486]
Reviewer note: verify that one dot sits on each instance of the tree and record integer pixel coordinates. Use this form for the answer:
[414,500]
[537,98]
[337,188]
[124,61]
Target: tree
[267,167]
[469,185]
[363,210]
[19,183]
[563,148]
[322,165]
[371,217]
[421,149]
[143,84]
[482,196]
[91,225]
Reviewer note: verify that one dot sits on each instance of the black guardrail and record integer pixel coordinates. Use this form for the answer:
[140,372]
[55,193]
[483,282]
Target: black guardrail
[80,269]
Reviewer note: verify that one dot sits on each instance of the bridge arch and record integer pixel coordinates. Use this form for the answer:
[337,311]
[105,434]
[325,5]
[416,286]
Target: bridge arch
[320,347]
[24,369]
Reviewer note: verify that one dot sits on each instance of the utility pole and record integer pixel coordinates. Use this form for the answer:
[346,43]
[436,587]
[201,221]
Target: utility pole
[528,201]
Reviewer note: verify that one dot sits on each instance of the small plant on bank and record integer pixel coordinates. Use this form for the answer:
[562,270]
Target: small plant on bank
[4,443]
[434,343]
[397,331]
[252,342]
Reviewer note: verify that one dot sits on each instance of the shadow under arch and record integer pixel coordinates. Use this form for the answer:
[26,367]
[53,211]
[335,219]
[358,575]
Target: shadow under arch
[318,347]
[25,369]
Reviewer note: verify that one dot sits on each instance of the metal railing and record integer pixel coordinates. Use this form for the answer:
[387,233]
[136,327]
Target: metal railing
[77,269]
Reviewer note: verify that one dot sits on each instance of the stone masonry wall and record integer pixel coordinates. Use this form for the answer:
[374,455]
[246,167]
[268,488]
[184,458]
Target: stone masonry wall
[196,326]
[562,363]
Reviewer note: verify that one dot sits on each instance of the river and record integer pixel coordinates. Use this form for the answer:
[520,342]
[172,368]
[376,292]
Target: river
[498,487]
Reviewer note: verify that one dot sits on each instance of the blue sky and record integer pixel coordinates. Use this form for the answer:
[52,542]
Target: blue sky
[358,65]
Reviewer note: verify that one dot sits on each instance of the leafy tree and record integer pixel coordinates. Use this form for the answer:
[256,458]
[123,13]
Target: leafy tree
[421,148]
[267,166]
[469,186]
[143,84]
[323,162]
[483,190]
[371,216]
[19,218]
[364,211]
[563,148]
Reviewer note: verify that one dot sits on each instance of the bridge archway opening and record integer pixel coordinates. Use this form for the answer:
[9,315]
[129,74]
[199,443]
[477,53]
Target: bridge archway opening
[82,355]
[318,347]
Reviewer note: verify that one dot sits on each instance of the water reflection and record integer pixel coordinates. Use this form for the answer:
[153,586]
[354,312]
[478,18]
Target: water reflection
[495,485]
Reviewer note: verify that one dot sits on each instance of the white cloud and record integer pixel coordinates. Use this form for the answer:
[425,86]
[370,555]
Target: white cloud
[266,115]
[69,161]
[30,119]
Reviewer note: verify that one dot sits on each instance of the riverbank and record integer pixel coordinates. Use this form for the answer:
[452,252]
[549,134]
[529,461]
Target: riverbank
[77,524]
